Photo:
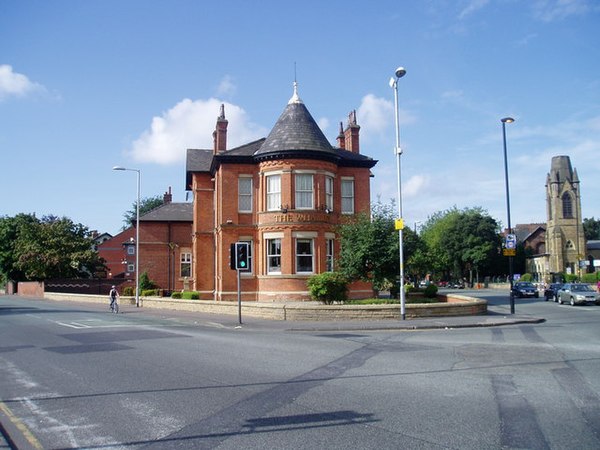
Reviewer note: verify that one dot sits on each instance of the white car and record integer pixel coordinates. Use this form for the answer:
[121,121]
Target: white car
[577,293]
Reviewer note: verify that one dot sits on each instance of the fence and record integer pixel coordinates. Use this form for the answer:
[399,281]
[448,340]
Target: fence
[93,286]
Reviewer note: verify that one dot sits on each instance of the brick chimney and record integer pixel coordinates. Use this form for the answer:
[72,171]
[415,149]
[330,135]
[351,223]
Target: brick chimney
[220,133]
[167,196]
[341,140]
[351,134]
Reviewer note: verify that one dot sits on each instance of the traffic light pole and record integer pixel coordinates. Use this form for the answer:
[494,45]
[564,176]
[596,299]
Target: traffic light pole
[239,286]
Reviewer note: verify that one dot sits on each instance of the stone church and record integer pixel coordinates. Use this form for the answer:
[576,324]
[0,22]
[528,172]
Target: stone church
[563,247]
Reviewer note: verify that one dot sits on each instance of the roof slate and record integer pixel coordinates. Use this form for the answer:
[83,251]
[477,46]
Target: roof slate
[170,212]
[295,130]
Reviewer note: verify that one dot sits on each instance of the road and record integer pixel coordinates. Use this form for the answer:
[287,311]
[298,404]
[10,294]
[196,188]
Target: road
[76,376]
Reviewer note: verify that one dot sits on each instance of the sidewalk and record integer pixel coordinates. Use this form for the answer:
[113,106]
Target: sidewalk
[496,316]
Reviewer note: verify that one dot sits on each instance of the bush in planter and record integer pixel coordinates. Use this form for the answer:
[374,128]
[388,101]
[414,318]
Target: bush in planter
[176,295]
[328,287]
[190,295]
[150,293]
[128,291]
[430,291]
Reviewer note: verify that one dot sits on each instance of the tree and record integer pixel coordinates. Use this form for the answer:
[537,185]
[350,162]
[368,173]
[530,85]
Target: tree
[460,241]
[146,205]
[370,246]
[48,248]
[591,229]
[10,228]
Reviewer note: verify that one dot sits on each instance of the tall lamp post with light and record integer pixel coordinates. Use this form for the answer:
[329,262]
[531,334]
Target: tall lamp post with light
[400,72]
[510,256]
[137,233]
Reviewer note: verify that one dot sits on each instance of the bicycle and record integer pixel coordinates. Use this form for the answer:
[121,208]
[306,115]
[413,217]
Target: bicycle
[114,305]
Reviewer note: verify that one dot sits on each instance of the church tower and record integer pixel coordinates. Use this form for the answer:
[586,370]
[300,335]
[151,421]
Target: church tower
[565,242]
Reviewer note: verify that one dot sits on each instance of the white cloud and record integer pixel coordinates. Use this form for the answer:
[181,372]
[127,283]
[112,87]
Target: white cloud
[415,185]
[551,10]
[226,87]
[375,115]
[190,124]
[15,84]
[472,6]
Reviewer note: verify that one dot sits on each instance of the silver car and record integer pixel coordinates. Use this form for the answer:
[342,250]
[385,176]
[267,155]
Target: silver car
[577,293]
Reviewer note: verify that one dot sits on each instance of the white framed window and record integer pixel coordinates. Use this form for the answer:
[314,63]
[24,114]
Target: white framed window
[131,249]
[130,268]
[329,193]
[304,191]
[304,255]
[185,264]
[273,192]
[329,255]
[273,256]
[244,194]
[347,196]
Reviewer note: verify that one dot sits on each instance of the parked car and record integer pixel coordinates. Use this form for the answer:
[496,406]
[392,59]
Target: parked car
[525,289]
[577,293]
[551,291]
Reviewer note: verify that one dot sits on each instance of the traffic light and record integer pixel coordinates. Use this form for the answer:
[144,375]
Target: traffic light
[240,258]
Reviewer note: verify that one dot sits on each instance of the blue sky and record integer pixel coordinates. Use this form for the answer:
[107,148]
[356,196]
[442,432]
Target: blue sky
[87,85]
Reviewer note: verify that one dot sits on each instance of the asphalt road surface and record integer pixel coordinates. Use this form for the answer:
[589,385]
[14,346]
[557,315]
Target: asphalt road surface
[77,376]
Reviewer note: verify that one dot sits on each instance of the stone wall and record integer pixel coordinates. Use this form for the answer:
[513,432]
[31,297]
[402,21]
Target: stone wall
[456,305]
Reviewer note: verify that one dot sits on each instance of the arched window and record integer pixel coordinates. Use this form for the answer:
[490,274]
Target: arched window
[567,206]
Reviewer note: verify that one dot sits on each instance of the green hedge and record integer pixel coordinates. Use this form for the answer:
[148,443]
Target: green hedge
[186,295]
[151,293]
[590,277]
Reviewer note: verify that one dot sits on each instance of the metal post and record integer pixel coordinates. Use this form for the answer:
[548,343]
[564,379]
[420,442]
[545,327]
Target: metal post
[137,232]
[239,293]
[400,72]
[510,258]
[137,241]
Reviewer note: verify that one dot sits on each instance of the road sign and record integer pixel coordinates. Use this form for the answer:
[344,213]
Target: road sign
[509,251]
[399,224]
[511,241]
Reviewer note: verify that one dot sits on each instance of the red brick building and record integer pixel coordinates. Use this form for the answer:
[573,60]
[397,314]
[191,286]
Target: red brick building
[165,248]
[284,195]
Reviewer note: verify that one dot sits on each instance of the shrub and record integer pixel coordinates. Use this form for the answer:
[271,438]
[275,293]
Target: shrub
[176,295]
[328,287]
[128,291]
[590,277]
[150,293]
[409,288]
[190,295]
[570,277]
[430,291]
[526,277]
[145,283]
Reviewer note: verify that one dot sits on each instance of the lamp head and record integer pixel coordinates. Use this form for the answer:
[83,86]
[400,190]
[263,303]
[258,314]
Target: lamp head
[507,120]
[118,168]
[400,72]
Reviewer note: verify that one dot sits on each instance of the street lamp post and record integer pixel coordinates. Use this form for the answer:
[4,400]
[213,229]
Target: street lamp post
[137,233]
[400,72]
[510,258]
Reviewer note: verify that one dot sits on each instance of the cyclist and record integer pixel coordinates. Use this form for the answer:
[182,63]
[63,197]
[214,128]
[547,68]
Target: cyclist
[114,299]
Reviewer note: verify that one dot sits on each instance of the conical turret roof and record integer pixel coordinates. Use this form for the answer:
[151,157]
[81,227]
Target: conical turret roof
[295,131]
